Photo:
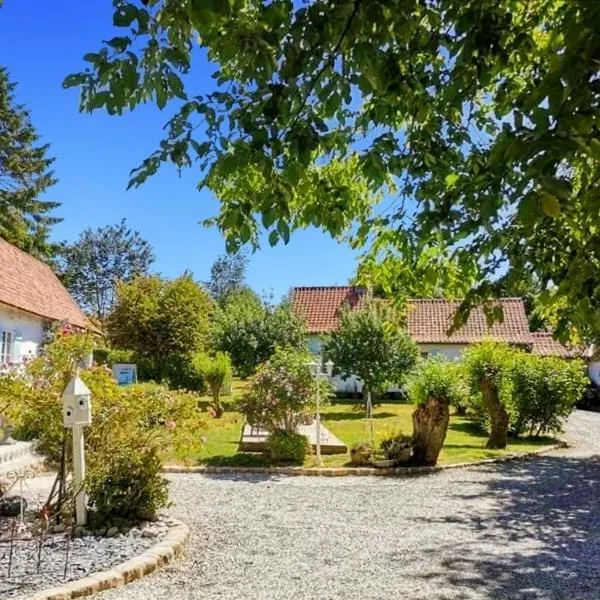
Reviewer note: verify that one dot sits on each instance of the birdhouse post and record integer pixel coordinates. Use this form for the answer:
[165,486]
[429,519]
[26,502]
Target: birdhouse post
[77,412]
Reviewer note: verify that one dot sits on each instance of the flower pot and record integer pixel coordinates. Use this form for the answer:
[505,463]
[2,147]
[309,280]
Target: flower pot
[404,456]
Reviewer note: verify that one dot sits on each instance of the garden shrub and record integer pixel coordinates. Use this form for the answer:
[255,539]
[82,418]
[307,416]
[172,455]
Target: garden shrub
[286,446]
[281,394]
[216,372]
[434,386]
[545,390]
[489,365]
[249,330]
[127,484]
[130,425]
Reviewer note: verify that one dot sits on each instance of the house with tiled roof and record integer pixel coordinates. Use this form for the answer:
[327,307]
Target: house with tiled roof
[543,344]
[31,298]
[428,321]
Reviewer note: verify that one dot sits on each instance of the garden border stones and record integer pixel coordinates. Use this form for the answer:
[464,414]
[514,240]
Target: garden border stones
[149,561]
[365,471]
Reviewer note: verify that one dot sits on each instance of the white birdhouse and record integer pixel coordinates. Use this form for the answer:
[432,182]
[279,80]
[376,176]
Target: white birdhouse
[77,403]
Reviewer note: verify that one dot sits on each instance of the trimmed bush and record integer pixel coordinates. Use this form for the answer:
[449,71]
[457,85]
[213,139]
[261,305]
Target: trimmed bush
[545,390]
[286,447]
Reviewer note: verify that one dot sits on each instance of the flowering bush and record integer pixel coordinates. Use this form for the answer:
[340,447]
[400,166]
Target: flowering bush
[282,392]
[130,425]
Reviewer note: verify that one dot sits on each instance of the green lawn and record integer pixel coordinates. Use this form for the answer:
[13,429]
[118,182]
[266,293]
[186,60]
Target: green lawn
[464,442]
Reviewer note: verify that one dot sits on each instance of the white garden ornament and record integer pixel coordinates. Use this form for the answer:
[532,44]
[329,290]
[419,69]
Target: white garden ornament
[77,412]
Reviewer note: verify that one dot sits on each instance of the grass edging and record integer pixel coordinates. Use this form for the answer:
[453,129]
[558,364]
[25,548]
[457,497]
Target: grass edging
[366,471]
[159,555]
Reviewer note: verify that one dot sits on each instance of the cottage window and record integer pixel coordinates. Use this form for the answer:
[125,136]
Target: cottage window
[424,355]
[6,347]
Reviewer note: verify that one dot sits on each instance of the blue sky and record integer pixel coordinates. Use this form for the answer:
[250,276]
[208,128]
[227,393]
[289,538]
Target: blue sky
[41,43]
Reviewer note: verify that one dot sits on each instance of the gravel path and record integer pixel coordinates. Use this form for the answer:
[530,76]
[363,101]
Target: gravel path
[517,530]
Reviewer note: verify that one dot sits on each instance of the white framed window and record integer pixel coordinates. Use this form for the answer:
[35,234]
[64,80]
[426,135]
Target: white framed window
[7,345]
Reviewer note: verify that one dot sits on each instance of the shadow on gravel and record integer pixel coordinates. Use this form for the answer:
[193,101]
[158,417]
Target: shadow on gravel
[539,534]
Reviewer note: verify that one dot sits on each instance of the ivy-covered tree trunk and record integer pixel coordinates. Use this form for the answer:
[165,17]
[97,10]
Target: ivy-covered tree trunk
[430,425]
[497,413]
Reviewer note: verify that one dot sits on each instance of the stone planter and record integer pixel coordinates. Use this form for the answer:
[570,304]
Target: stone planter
[384,463]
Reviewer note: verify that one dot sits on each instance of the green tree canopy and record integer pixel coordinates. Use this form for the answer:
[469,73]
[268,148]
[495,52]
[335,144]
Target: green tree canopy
[483,113]
[370,345]
[92,266]
[25,174]
[249,330]
[163,321]
[227,275]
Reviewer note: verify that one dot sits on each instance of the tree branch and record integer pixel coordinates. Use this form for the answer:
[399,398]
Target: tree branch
[330,60]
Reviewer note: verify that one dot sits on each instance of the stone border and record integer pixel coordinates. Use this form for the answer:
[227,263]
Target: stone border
[149,561]
[364,471]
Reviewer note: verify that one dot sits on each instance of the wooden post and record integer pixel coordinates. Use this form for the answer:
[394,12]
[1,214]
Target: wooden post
[79,475]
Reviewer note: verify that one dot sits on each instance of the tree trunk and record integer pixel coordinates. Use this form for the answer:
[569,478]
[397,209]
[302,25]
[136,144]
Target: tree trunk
[430,425]
[498,415]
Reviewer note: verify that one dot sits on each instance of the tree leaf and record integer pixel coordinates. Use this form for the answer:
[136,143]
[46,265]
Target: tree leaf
[550,205]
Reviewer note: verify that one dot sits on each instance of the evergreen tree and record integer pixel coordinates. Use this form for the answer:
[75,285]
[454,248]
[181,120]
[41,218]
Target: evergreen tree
[25,174]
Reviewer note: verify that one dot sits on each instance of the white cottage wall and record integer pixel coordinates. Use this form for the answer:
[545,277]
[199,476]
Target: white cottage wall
[28,331]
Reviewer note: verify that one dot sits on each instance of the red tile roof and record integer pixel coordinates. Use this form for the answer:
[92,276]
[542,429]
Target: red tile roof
[428,321]
[30,285]
[322,306]
[545,345]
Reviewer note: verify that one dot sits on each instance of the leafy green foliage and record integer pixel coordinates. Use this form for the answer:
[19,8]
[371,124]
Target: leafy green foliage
[491,361]
[441,379]
[127,485]
[25,218]
[217,373]
[489,365]
[545,390]
[130,427]
[92,266]
[286,447]
[370,345]
[281,393]
[483,112]
[164,322]
[249,330]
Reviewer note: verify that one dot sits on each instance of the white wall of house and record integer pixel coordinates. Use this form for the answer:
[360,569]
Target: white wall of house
[354,385]
[24,330]
[449,351]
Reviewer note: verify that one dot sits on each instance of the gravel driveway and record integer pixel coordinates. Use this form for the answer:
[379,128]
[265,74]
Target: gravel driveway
[515,530]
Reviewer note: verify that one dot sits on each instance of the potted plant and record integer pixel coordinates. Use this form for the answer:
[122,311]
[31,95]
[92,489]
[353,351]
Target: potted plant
[394,451]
